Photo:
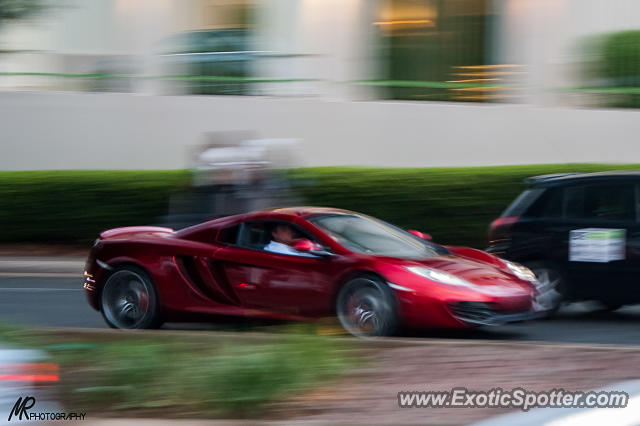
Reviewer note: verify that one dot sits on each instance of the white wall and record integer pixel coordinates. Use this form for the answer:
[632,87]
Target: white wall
[326,40]
[120,131]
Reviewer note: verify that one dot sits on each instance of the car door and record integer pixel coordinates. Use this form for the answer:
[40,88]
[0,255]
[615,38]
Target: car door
[293,285]
[600,230]
[630,281]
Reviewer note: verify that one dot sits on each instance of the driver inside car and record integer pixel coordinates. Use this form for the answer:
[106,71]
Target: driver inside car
[283,237]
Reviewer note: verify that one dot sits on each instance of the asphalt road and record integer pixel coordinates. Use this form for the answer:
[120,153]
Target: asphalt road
[58,301]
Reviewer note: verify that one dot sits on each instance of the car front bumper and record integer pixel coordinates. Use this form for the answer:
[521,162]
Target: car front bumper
[480,313]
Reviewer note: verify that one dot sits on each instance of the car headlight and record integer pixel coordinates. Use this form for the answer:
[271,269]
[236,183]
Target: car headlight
[450,279]
[520,271]
[439,276]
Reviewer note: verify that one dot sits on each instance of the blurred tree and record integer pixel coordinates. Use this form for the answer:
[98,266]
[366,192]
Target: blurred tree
[621,55]
[13,10]
[611,65]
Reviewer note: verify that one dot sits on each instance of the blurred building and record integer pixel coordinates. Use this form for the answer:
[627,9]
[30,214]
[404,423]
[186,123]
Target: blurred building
[452,50]
[309,52]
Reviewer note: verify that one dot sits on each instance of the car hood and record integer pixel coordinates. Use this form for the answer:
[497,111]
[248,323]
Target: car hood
[473,271]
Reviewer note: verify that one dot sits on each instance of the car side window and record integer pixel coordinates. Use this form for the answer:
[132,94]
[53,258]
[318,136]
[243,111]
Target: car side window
[253,235]
[606,202]
[574,202]
[257,235]
[228,235]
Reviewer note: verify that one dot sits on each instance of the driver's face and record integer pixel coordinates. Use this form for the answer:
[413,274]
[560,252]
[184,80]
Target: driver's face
[283,234]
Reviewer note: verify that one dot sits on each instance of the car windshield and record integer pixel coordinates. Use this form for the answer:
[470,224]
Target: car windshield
[363,234]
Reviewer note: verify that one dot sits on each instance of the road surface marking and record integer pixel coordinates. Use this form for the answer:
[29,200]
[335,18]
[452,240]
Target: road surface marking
[41,274]
[37,289]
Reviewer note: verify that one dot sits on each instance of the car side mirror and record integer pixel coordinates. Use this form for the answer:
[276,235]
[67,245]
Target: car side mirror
[421,235]
[304,245]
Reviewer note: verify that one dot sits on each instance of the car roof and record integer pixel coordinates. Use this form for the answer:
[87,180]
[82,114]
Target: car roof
[276,213]
[304,211]
[286,213]
[570,178]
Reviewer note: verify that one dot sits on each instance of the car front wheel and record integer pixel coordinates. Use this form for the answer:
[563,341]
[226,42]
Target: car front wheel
[551,287]
[366,307]
[129,300]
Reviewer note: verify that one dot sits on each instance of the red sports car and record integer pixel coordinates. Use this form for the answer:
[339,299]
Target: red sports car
[301,263]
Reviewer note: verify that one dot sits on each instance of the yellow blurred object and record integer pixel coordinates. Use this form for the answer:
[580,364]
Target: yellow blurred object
[492,66]
[331,331]
[329,327]
[491,75]
[422,22]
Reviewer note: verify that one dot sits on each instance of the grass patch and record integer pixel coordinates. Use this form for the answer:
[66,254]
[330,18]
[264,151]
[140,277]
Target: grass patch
[185,375]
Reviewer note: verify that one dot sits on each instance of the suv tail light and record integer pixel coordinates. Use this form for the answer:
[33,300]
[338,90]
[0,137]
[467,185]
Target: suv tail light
[500,228]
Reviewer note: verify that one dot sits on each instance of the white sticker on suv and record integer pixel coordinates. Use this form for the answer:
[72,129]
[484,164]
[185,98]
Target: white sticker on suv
[596,245]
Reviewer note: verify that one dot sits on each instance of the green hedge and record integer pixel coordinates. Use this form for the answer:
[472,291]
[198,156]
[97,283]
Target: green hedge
[455,205]
[74,206]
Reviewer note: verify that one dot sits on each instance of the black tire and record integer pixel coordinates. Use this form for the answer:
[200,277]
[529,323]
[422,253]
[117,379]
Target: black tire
[552,287]
[366,307]
[129,299]
[611,306]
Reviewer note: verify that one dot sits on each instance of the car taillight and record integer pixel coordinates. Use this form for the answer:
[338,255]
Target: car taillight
[507,220]
[500,228]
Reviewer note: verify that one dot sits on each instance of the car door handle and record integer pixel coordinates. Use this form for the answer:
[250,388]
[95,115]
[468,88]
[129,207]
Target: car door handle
[245,286]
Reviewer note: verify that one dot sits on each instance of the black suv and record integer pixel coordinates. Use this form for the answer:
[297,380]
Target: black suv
[580,235]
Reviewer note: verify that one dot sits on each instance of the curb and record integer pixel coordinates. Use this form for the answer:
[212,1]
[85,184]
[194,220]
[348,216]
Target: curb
[385,342]
[16,266]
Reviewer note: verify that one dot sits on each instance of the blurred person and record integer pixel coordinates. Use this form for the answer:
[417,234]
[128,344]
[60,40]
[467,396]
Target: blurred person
[283,237]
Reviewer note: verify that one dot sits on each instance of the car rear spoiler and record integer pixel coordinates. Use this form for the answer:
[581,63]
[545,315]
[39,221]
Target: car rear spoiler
[543,178]
[118,232]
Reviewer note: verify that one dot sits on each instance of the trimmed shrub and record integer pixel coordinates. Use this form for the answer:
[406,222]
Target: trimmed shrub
[455,205]
[74,206]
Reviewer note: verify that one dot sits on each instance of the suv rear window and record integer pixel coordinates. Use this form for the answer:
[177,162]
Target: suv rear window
[549,204]
[523,202]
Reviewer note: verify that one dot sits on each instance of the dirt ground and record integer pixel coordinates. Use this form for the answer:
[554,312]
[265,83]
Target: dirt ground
[369,395]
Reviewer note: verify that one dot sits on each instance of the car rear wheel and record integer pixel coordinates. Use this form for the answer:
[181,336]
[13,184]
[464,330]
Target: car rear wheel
[551,287]
[129,300]
[366,307]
